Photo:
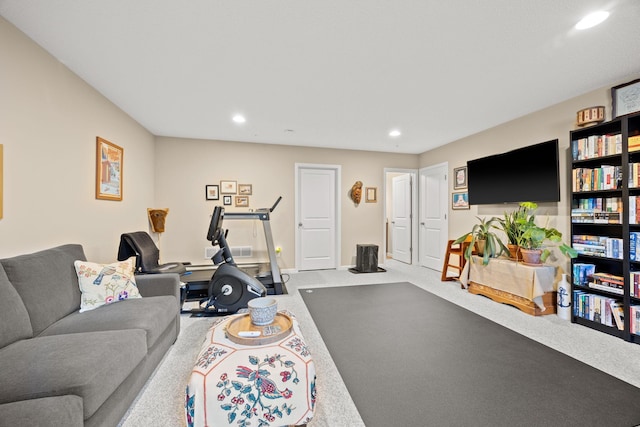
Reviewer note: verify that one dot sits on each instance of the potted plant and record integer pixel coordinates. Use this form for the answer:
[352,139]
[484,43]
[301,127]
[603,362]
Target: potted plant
[483,240]
[510,225]
[535,241]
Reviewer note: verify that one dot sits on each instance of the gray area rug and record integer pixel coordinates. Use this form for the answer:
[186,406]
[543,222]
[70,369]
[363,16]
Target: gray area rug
[409,357]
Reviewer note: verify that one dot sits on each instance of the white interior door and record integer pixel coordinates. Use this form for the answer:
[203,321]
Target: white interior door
[434,227]
[401,218]
[316,214]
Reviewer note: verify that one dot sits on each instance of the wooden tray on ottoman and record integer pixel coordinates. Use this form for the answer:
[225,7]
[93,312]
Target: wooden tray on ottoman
[277,330]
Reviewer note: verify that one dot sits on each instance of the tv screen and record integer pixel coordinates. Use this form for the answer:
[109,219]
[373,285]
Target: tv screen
[525,174]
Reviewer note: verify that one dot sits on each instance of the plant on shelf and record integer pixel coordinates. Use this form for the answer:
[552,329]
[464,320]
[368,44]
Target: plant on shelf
[483,240]
[535,241]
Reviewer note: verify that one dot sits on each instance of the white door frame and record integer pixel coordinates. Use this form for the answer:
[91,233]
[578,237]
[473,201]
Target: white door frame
[338,213]
[414,211]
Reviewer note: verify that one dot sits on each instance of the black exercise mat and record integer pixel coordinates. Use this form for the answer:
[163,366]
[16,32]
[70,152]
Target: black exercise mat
[411,358]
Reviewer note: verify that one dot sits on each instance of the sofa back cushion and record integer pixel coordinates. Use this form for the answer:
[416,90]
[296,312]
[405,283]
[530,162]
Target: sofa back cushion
[15,324]
[47,283]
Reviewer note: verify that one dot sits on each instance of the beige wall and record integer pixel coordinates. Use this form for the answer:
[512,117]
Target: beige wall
[185,166]
[551,123]
[49,120]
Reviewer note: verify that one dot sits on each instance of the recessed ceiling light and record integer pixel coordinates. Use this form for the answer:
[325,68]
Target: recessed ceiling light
[239,118]
[592,19]
[395,133]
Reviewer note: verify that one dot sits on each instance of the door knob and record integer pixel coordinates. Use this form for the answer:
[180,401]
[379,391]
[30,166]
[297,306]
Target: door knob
[299,224]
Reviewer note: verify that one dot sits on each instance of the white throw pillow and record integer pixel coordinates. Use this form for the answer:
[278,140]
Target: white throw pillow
[102,284]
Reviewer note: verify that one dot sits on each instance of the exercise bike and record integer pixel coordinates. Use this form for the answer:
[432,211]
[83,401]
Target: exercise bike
[230,288]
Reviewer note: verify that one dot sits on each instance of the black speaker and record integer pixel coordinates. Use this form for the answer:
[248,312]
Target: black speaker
[367,258]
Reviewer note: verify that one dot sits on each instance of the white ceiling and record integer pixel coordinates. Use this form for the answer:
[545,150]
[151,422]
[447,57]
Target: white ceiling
[334,73]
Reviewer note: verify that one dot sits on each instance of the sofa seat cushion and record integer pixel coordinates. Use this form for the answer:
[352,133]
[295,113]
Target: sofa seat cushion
[57,411]
[153,315]
[89,365]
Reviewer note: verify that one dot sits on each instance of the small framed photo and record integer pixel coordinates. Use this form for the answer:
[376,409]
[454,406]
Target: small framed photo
[226,200]
[212,192]
[460,200]
[245,189]
[371,195]
[625,98]
[109,170]
[228,187]
[460,178]
[242,201]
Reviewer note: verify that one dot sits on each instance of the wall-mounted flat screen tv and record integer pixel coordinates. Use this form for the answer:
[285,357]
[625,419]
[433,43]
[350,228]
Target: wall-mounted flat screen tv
[525,174]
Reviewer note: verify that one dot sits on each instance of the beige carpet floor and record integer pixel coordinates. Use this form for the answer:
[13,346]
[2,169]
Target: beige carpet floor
[161,401]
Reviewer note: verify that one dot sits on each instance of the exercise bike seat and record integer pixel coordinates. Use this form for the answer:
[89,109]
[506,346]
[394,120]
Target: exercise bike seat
[140,245]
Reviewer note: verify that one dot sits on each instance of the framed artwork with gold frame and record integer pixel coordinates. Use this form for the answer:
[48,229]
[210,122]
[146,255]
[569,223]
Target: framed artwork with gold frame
[109,169]
[242,201]
[371,195]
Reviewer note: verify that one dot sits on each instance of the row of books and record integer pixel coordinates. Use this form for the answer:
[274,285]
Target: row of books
[634,175]
[594,217]
[634,209]
[585,275]
[602,246]
[604,310]
[634,246]
[633,143]
[634,311]
[596,146]
[599,204]
[594,179]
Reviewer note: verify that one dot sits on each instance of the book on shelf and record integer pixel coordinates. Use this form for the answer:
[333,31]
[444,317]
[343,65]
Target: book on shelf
[634,311]
[633,143]
[582,272]
[634,284]
[595,146]
[634,209]
[634,246]
[618,314]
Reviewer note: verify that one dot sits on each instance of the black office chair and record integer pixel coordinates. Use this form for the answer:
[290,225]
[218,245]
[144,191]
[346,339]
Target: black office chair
[141,245]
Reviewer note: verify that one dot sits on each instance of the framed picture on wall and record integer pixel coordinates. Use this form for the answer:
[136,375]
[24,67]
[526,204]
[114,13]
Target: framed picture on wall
[460,200]
[245,189]
[371,195]
[242,201]
[226,200]
[228,187]
[625,98]
[109,169]
[212,192]
[460,178]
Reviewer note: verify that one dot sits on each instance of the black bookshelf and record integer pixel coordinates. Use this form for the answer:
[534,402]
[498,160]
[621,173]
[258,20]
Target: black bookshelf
[605,237]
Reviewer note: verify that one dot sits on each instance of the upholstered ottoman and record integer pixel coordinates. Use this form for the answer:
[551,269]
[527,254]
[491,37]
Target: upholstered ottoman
[252,381]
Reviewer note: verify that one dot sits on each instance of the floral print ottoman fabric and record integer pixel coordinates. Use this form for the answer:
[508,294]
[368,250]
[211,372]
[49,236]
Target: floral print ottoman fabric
[244,385]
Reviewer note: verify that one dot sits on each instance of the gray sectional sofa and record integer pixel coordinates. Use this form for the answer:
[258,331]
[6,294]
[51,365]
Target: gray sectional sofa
[60,367]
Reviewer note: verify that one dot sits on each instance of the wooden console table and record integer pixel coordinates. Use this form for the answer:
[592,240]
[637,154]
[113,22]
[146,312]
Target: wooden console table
[531,289]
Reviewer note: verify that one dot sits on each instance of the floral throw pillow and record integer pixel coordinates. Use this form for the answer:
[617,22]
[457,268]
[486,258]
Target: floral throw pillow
[102,284]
